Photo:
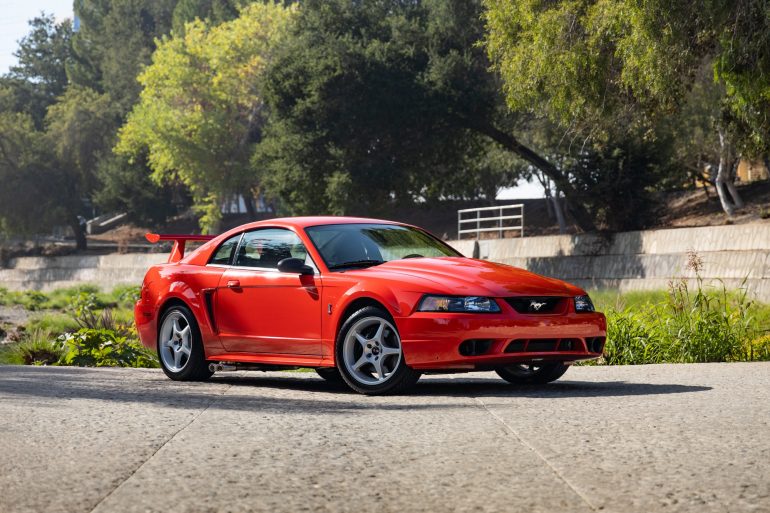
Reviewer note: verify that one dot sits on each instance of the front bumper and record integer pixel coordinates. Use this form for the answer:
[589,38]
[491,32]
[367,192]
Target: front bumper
[436,340]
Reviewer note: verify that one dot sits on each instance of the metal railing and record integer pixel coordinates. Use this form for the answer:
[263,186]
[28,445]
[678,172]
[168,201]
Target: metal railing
[502,222]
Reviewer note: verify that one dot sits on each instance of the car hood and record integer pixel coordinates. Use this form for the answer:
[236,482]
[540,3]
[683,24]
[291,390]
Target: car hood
[465,276]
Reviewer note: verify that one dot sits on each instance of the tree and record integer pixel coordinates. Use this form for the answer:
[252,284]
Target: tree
[79,128]
[595,65]
[201,108]
[30,184]
[40,75]
[115,40]
[375,102]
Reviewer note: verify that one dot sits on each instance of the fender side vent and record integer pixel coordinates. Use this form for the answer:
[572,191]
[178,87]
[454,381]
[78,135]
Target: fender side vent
[208,300]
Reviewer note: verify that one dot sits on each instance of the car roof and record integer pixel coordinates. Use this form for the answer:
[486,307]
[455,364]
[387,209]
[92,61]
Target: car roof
[304,222]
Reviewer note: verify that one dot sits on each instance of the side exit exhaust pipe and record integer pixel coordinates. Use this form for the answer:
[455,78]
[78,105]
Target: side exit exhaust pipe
[219,367]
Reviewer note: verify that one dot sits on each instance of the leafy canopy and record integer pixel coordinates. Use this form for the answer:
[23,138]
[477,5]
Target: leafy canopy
[201,107]
[368,108]
[584,63]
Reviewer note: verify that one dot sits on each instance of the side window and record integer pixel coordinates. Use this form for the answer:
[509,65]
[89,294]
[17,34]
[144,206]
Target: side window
[224,253]
[265,248]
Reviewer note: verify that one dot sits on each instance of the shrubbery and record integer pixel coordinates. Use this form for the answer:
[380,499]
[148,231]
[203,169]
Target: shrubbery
[89,347]
[89,334]
[688,326]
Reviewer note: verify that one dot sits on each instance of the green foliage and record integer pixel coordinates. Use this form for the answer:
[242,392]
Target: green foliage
[688,326]
[372,102]
[213,12]
[39,77]
[27,170]
[206,140]
[589,63]
[39,347]
[54,323]
[90,347]
[115,40]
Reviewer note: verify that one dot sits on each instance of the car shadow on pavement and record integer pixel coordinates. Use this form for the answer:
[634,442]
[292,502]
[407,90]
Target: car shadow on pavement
[465,386]
[273,391]
[561,389]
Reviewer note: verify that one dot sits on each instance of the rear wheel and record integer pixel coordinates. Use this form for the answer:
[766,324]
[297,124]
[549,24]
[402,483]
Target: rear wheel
[525,374]
[369,354]
[180,346]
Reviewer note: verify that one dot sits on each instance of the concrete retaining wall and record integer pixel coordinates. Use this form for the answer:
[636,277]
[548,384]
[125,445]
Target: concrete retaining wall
[641,260]
[106,271]
[644,260]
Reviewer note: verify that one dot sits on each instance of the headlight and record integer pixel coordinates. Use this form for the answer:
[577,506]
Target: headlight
[458,304]
[583,304]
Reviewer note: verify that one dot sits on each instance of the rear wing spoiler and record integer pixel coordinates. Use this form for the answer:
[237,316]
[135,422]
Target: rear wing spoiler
[177,252]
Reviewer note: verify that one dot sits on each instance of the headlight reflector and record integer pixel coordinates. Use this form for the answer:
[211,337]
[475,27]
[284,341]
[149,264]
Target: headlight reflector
[472,304]
[583,304]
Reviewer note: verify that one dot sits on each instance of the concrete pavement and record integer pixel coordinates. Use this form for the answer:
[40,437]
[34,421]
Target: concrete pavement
[647,438]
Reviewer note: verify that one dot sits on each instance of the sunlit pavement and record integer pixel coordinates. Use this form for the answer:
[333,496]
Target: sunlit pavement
[647,438]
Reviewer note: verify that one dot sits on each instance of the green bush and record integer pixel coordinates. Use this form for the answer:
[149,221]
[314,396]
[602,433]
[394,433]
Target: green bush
[90,347]
[38,348]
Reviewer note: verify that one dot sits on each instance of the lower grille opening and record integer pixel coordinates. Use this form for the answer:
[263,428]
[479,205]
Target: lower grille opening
[542,345]
[569,344]
[535,345]
[547,345]
[475,347]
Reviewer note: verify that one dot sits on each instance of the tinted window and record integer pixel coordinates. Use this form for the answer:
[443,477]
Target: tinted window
[265,248]
[224,254]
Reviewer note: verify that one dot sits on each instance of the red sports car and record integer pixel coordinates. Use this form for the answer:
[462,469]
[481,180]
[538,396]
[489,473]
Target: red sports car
[366,302]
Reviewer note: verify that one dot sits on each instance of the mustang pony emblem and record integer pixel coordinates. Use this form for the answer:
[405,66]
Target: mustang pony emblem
[536,306]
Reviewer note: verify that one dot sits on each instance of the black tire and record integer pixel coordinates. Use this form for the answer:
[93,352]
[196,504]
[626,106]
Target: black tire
[519,374]
[330,374]
[195,367]
[400,378]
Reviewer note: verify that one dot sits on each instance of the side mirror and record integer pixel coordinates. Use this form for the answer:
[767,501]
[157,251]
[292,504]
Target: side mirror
[294,265]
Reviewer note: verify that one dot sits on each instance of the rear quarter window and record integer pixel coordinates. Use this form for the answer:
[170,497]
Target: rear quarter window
[224,253]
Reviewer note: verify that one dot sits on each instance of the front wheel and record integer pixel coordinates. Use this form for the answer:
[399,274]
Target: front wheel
[524,374]
[180,346]
[369,354]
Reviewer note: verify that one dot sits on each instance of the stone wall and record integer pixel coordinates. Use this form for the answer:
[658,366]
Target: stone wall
[641,260]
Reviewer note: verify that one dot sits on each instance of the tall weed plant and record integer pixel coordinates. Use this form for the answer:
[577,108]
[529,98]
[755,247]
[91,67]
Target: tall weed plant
[700,324]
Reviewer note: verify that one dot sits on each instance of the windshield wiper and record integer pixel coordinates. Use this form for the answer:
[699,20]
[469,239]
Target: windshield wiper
[356,263]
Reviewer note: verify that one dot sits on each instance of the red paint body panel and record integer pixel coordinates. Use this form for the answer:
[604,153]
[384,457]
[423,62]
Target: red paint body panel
[291,303]
[269,317]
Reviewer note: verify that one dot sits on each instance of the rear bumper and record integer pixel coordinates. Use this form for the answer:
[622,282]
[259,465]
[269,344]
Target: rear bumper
[434,340]
[146,324]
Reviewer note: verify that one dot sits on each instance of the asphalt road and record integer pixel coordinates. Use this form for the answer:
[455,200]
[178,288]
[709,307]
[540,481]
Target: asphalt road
[652,438]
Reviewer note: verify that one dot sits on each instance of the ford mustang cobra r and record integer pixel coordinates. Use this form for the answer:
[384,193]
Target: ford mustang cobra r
[368,302]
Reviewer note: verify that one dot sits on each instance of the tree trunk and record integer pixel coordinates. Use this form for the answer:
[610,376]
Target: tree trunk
[251,210]
[81,243]
[559,212]
[546,184]
[722,176]
[730,183]
[579,213]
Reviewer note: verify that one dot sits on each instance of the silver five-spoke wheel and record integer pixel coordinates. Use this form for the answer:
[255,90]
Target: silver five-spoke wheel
[175,341]
[371,350]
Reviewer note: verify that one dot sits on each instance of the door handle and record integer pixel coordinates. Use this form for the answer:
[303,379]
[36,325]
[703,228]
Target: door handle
[233,284]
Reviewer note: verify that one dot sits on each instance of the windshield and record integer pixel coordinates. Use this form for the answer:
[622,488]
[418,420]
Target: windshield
[346,246]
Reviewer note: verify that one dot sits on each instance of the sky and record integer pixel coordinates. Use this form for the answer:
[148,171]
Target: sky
[13,26]
[14,15]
